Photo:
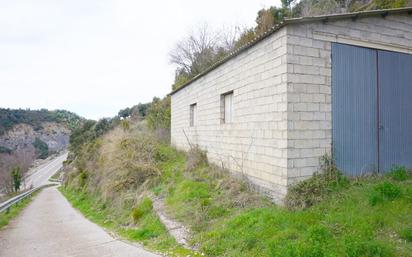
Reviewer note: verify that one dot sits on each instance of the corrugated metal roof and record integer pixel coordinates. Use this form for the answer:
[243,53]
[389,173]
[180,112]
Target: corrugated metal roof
[300,20]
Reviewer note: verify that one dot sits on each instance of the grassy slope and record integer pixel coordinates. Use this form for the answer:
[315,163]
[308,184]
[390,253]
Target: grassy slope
[102,185]
[345,224]
[228,220]
[149,231]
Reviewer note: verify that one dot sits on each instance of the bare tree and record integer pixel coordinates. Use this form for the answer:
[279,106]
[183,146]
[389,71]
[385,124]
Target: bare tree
[230,36]
[21,158]
[199,43]
[200,49]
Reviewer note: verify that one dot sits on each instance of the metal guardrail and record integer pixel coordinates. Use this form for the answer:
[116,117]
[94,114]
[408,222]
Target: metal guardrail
[9,203]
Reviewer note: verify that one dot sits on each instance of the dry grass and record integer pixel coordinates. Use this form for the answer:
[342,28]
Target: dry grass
[196,158]
[117,166]
[313,190]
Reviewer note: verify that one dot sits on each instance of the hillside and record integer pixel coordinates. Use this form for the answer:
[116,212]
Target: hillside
[35,118]
[26,135]
[114,178]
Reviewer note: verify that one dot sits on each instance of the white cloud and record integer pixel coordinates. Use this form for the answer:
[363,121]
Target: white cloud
[98,56]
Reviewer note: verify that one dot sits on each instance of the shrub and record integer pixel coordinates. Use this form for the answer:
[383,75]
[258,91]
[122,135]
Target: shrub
[162,153]
[196,158]
[131,176]
[384,191]
[82,178]
[313,190]
[145,207]
[16,176]
[406,234]
[408,194]
[136,214]
[375,198]
[125,125]
[399,173]
[81,135]
[102,126]
[5,150]
[158,114]
[389,190]
[42,149]
[89,132]
[386,4]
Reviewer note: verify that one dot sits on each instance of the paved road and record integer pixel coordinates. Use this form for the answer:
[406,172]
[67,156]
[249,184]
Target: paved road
[40,175]
[50,227]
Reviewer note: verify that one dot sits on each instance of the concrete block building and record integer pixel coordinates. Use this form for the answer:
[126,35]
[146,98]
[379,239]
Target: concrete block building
[337,84]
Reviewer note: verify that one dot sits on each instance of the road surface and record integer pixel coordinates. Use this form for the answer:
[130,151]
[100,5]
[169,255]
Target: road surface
[40,175]
[50,227]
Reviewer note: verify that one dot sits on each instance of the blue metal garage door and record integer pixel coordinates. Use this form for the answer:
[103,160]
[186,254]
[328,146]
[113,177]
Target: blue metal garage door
[371,109]
[354,109]
[395,105]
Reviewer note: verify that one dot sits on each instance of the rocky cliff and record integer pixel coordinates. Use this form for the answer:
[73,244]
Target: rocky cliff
[23,136]
[27,135]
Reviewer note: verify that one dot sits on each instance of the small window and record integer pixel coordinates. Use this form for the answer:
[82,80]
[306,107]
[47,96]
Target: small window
[193,109]
[227,107]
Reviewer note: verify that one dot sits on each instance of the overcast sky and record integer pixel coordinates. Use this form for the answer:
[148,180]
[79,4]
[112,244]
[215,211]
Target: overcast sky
[95,57]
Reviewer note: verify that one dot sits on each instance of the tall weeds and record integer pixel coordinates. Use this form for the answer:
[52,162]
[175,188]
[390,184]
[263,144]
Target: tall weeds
[311,191]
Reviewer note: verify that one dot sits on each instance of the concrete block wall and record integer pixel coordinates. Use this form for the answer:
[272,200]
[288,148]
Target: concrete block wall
[255,143]
[309,66]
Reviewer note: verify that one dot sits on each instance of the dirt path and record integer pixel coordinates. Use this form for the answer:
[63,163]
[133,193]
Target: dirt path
[49,226]
[175,228]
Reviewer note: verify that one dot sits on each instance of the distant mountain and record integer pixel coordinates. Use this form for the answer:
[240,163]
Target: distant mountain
[26,135]
[35,118]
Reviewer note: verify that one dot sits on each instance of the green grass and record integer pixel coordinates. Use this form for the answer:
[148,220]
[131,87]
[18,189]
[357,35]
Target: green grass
[11,195]
[346,224]
[6,217]
[364,217]
[56,175]
[146,229]
[328,215]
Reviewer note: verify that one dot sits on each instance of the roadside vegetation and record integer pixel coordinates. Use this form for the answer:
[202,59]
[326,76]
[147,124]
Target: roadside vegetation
[7,216]
[134,224]
[363,217]
[56,176]
[114,177]
[109,181]
[42,149]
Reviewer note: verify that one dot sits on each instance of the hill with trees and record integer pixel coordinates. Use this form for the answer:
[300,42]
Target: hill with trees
[26,135]
[35,118]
